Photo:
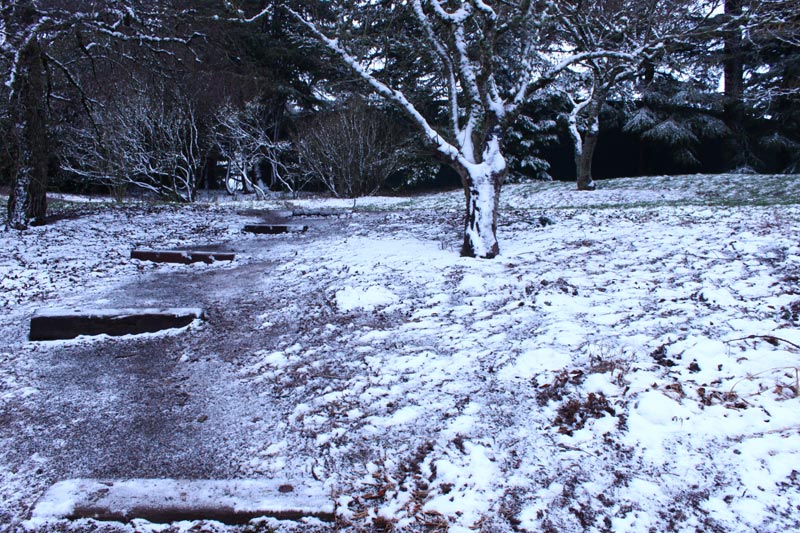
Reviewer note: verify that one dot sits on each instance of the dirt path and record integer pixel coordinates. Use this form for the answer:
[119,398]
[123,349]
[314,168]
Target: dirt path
[163,405]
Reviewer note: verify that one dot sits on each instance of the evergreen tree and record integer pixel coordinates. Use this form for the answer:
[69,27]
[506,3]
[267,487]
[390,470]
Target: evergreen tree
[772,85]
[678,115]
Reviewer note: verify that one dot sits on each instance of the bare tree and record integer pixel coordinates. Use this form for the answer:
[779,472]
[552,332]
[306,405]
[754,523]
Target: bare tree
[482,58]
[644,33]
[247,137]
[29,151]
[32,34]
[148,140]
[587,110]
[350,150]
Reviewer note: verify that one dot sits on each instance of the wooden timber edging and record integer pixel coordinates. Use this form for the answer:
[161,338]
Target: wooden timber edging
[274,229]
[322,212]
[61,324]
[268,215]
[165,501]
[184,257]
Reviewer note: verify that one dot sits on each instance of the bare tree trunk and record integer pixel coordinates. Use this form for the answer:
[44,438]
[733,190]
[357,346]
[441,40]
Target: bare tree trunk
[733,67]
[28,199]
[480,221]
[585,180]
[245,178]
[586,156]
[575,136]
[482,184]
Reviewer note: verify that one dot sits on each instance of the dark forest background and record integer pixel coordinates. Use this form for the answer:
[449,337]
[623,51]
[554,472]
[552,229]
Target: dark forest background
[181,97]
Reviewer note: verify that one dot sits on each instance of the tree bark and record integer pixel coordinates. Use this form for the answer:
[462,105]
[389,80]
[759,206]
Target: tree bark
[27,203]
[586,156]
[733,67]
[482,183]
[577,139]
[585,180]
[480,222]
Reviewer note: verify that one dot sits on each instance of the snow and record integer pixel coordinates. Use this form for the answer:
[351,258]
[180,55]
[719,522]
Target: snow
[631,367]
[351,298]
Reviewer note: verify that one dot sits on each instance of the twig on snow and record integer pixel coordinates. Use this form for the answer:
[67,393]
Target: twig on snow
[769,338]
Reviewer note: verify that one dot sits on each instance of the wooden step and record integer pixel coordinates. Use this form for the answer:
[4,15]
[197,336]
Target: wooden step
[273,215]
[55,324]
[321,212]
[184,257]
[273,229]
[165,501]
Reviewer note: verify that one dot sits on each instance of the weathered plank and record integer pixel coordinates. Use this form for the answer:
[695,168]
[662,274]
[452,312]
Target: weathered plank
[168,500]
[274,229]
[321,212]
[275,215]
[55,324]
[184,257]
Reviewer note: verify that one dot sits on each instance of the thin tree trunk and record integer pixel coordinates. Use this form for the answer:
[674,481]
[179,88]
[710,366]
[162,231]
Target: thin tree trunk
[245,178]
[577,139]
[585,180]
[27,202]
[586,156]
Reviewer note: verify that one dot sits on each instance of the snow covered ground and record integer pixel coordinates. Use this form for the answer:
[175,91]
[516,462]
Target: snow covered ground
[629,364]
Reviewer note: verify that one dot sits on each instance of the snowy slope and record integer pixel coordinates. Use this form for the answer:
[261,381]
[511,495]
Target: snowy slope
[632,366]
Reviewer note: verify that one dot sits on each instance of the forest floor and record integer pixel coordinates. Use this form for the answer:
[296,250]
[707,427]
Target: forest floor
[629,363]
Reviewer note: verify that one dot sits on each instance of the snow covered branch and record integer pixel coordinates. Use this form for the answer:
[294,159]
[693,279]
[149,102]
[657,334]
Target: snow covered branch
[443,147]
[244,137]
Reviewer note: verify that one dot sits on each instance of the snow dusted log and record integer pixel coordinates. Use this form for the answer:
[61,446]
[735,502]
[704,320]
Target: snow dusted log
[169,500]
[180,256]
[56,324]
[273,229]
